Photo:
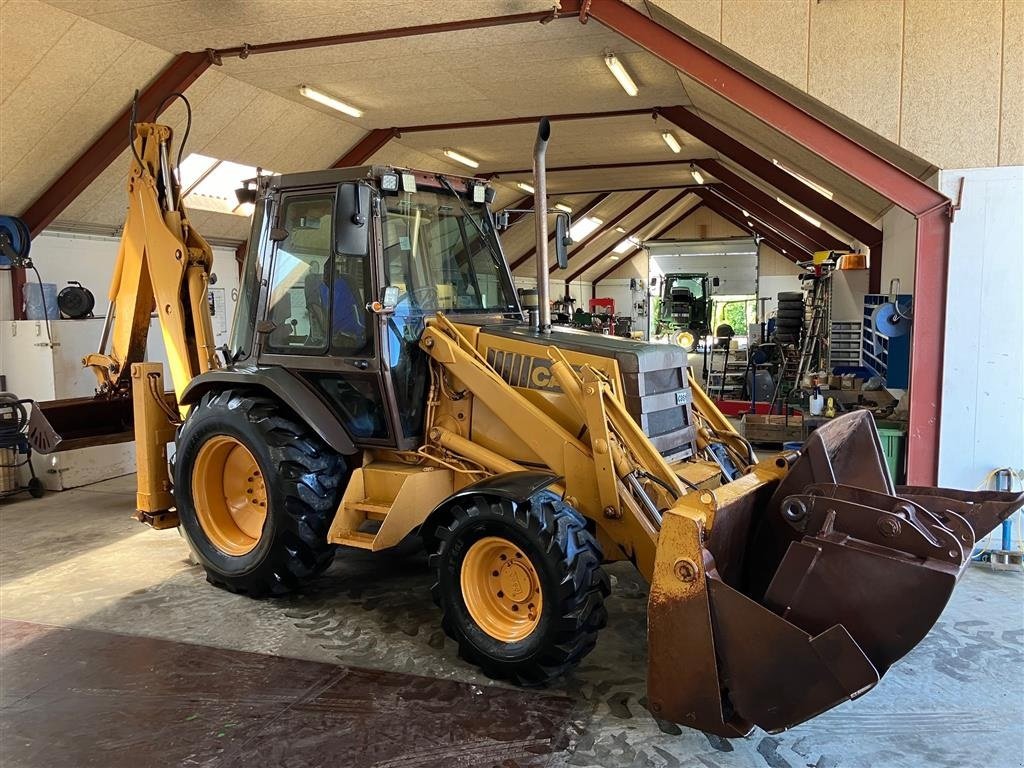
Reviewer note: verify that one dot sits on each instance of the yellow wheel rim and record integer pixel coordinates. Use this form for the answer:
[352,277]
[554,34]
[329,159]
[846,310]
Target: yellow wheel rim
[684,339]
[230,495]
[501,589]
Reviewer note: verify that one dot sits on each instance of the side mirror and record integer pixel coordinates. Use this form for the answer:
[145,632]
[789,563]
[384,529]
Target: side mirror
[351,233]
[389,297]
[388,301]
[562,240]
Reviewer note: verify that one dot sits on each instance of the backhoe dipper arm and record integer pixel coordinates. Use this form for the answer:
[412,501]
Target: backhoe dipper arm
[162,264]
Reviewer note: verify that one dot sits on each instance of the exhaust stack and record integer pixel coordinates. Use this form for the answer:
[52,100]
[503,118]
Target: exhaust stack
[540,217]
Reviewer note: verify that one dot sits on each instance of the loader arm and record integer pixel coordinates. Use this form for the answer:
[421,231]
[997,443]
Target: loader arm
[775,596]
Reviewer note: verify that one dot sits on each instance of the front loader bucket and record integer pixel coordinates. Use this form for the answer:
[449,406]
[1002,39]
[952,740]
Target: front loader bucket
[81,422]
[807,589]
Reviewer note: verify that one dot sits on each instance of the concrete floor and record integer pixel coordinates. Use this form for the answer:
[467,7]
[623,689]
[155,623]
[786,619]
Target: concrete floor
[75,559]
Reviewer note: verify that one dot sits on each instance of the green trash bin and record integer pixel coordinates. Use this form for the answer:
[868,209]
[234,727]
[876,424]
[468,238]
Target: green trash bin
[894,448]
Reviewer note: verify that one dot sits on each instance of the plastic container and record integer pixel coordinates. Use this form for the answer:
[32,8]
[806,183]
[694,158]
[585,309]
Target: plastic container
[34,303]
[894,443]
[793,446]
[817,403]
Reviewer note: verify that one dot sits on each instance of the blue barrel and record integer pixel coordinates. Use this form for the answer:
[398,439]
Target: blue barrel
[794,446]
[34,303]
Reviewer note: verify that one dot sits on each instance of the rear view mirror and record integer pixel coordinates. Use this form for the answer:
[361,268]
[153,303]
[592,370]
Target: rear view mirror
[562,240]
[351,233]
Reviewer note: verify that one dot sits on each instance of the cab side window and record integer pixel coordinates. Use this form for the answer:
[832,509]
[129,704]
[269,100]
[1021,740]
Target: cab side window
[300,295]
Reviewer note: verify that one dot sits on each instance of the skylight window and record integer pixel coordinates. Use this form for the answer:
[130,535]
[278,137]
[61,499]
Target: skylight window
[209,184]
[584,227]
[800,213]
[812,184]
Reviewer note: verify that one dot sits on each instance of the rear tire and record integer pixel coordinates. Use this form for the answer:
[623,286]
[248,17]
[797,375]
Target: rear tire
[558,572]
[302,480]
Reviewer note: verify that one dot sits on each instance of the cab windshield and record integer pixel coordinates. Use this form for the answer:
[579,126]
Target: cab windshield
[443,255]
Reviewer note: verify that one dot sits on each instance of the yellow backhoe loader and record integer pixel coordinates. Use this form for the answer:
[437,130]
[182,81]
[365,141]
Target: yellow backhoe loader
[382,383]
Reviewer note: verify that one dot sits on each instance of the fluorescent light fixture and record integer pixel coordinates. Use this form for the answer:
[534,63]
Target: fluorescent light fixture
[812,184]
[461,158]
[209,184]
[621,74]
[800,213]
[750,224]
[613,258]
[672,141]
[584,227]
[620,229]
[525,187]
[629,244]
[329,101]
[745,214]
[696,175]
[563,207]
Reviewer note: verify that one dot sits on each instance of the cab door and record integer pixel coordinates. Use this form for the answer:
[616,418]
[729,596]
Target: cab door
[317,320]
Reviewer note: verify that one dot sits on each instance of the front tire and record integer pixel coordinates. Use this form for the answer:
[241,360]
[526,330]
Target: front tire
[255,491]
[520,585]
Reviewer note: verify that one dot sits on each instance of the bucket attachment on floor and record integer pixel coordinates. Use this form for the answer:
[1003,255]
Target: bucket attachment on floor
[807,589]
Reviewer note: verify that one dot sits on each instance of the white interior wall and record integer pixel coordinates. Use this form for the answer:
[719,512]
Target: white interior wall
[899,244]
[775,274]
[36,370]
[982,423]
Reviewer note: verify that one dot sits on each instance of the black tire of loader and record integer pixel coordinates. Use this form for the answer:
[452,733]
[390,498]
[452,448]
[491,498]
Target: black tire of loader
[573,584]
[304,481]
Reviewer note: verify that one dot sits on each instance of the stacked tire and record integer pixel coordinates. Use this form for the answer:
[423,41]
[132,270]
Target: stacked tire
[789,320]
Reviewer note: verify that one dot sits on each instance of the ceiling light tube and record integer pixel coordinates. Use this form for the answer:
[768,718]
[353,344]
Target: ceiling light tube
[621,74]
[527,188]
[672,141]
[329,101]
[461,158]
[696,175]
[563,207]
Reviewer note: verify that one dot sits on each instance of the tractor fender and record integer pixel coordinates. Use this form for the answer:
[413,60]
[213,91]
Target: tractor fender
[517,487]
[286,387]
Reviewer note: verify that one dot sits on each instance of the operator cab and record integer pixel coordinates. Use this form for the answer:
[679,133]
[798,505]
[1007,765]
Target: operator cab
[326,246]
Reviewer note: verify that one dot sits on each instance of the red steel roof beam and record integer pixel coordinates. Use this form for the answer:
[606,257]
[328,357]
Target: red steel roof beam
[177,76]
[734,215]
[576,214]
[785,182]
[902,188]
[653,217]
[366,147]
[771,206]
[602,229]
[569,9]
[661,232]
[502,121]
[759,214]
